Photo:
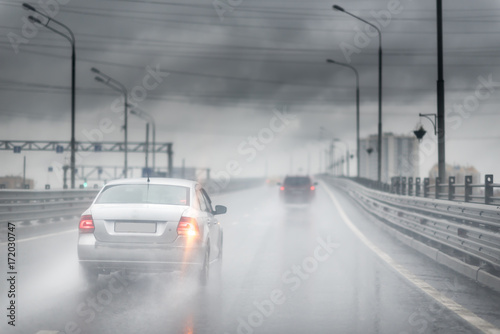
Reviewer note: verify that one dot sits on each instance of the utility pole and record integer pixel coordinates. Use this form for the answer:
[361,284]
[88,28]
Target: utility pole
[440,95]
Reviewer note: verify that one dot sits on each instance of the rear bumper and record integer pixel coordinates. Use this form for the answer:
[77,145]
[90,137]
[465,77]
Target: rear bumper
[299,197]
[180,255]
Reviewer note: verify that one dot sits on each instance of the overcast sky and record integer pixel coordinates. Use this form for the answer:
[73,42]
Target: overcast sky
[224,69]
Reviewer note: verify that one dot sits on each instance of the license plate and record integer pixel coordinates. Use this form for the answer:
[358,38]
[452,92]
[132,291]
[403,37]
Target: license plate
[135,227]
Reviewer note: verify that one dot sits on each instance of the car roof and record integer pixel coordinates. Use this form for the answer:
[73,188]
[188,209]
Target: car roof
[155,180]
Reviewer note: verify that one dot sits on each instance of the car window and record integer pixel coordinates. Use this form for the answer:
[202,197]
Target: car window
[144,193]
[297,181]
[203,204]
[208,201]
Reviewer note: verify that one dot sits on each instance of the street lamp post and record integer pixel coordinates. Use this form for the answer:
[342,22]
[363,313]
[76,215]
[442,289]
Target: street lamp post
[148,122]
[440,94]
[379,141]
[117,86]
[146,116]
[357,108]
[71,39]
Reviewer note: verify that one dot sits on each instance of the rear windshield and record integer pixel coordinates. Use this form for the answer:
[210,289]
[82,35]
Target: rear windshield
[143,193]
[297,181]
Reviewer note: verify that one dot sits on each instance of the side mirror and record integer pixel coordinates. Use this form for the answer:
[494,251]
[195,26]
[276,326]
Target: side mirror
[220,210]
[278,183]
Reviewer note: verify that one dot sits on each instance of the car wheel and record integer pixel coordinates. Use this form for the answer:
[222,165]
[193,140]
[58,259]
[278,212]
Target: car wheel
[205,270]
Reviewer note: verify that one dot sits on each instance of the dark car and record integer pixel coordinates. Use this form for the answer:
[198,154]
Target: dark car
[297,189]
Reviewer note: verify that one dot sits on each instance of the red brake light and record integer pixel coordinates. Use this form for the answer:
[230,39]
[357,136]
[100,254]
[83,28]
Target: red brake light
[86,224]
[312,188]
[282,188]
[188,226]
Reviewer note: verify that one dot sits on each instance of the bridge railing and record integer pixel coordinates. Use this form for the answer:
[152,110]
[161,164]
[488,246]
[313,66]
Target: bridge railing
[30,205]
[452,191]
[470,231]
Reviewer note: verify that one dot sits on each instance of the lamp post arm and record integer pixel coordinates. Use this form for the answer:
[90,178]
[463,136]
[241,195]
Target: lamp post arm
[349,66]
[62,25]
[49,19]
[428,116]
[369,23]
[144,115]
[63,35]
[65,27]
[116,85]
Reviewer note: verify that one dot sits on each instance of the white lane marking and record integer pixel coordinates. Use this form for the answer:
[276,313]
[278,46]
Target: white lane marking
[450,304]
[41,236]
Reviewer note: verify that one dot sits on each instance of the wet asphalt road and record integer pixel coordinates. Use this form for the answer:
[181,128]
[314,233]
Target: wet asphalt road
[295,269]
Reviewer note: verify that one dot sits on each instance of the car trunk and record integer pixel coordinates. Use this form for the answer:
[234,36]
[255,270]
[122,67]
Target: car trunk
[136,223]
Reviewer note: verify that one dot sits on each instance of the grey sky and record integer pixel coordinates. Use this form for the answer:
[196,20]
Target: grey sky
[226,77]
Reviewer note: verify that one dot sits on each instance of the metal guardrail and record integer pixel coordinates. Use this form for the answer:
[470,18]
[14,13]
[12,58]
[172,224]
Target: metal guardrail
[28,205]
[442,190]
[469,230]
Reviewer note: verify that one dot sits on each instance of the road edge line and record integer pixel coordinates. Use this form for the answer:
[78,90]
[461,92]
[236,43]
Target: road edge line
[40,236]
[468,316]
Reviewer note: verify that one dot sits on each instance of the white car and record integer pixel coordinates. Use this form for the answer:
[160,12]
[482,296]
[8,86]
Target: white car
[150,225]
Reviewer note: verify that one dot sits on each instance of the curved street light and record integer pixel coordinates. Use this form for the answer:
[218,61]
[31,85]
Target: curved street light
[331,61]
[379,141]
[119,87]
[147,117]
[71,39]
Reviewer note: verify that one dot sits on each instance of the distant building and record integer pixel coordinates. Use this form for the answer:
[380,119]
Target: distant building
[400,156]
[15,182]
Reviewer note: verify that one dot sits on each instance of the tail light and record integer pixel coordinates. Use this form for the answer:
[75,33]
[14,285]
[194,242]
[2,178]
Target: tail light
[86,224]
[312,188]
[188,226]
[282,188]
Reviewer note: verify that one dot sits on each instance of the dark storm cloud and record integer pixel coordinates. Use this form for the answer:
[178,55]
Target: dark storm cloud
[255,54]
[259,52]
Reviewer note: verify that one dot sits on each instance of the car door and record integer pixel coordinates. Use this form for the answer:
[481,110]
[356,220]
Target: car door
[213,225]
